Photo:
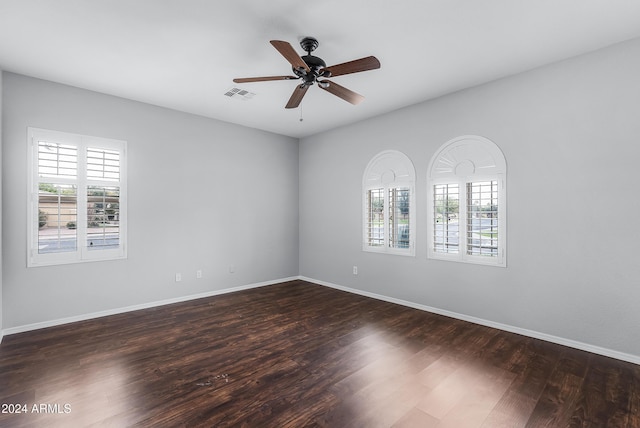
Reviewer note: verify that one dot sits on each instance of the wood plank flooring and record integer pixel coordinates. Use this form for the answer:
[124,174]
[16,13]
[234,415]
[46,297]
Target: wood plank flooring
[298,354]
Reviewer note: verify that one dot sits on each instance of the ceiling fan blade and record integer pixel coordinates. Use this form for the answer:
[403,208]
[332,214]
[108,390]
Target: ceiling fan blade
[296,97]
[263,79]
[355,66]
[287,51]
[342,92]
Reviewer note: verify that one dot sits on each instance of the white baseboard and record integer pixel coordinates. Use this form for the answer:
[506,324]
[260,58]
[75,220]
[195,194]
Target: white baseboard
[61,321]
[635,359]
[517,330]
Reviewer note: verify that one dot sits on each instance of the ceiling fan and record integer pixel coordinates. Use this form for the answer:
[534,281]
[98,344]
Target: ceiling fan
[312,69]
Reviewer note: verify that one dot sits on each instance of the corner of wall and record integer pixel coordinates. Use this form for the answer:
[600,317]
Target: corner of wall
[1,331]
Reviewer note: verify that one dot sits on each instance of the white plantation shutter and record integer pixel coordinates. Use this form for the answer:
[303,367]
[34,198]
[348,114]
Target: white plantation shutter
[78,203]
[399,220]
[57,218]
[57,160]
[482,218]
[103,164]
[57,196]
[374,233]
[446,203]
[103,199]
[103,217]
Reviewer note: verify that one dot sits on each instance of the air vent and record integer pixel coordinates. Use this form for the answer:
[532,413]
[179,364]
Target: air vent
[239,94]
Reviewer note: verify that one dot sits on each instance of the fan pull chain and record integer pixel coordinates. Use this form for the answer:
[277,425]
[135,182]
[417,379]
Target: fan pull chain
[301,118]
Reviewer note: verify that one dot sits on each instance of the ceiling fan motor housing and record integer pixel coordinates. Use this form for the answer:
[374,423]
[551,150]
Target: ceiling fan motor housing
[309,44]
[315,64]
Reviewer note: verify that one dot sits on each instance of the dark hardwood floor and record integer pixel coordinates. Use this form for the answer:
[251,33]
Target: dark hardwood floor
[297,354]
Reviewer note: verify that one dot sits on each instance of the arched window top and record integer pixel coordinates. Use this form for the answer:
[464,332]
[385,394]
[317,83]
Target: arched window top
[466,190]
[389,168]
[465,156]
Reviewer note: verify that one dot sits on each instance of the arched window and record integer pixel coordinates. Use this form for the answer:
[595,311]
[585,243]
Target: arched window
[466,185]
[389,204]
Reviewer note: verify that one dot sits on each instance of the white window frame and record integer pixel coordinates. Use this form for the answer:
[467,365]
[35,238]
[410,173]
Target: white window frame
[82,181]
[388,170]
[462,160]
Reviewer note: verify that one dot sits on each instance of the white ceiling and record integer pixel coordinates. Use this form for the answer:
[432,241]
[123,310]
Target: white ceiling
[183,54]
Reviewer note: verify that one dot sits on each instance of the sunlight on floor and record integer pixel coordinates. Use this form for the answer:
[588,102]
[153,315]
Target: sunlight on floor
[398,386]
[99,393]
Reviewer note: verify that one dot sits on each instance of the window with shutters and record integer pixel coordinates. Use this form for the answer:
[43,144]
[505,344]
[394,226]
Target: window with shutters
[466,187]
[388,204]
[77,208]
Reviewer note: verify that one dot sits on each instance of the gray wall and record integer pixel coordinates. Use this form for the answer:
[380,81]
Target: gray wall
[569,132]
[203,194]
[1,174]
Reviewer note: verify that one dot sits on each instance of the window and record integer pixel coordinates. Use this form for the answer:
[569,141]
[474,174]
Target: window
[446,205]
[389,207]
[467,205]
[77,209]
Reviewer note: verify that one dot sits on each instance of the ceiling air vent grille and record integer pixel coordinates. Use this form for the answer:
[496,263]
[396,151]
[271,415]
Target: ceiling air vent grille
[239,94]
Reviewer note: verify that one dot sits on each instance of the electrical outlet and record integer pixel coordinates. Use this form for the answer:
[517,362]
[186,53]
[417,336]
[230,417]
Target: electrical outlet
[178,277]
[355,270]
[198,274]
[232,268]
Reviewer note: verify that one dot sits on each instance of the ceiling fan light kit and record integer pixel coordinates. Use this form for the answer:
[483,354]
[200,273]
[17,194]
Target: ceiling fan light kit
[310,69]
